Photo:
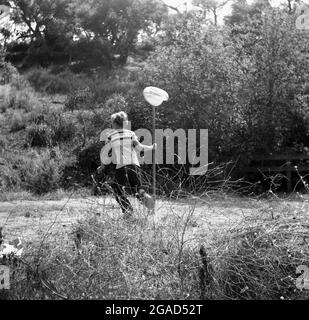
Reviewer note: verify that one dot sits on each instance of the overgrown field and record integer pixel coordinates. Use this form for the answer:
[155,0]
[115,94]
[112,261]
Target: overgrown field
[216,247]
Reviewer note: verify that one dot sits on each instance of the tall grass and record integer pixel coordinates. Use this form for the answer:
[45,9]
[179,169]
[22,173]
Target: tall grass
[14,98]
[106,257]
[258,259]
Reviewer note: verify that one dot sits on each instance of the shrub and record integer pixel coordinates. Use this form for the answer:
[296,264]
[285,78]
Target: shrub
[3,143]
[80,99]
[63,126]
[24,99]
[115,103]
[11,97]
[17,121]
[38,172]
[39,135]
[42,172]
[62,83]
[118,82]
[258,259]
[9,176]
[92,122]
[50,127]
[5,97]
[8,73]
[89,158]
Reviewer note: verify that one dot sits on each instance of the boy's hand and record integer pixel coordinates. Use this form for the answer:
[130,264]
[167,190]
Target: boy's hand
[154,146]
[100,169]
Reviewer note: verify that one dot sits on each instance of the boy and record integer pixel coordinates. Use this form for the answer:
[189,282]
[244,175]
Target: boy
[124,144]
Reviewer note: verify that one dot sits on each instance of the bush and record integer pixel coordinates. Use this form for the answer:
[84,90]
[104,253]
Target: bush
[8,73]
[9,176]
[13,98]
[80,99]
[120,82]
[62,83]
[91,123]
[39,135]
[63,126]
[43,172]
[15,91]
[115,103]
[89,158]
[5,97]
[258,259]
[17,121]
[24,99]
[38,172]
[50,127]
[3,143]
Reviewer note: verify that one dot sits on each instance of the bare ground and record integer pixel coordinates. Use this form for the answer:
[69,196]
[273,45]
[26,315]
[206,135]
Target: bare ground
[32,220]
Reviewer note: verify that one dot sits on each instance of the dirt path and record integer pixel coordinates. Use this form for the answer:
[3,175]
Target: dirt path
[30,220]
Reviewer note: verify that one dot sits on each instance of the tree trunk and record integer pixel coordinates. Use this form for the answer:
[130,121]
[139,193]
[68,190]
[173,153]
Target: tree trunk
[214,10]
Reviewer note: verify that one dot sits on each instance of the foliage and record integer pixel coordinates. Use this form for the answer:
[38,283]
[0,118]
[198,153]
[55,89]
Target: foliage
[103,256]
[3,143]
[89,157]
[51,128]
[118,22]
[9,73]
[87,33]
[126,261]
[12,98]
[15,91]
[39,135]
[38,172]
[258,259]
[198,72]
[80,99]
[244,83]
[62,83]
[17,121]
[274,75]
[212,6]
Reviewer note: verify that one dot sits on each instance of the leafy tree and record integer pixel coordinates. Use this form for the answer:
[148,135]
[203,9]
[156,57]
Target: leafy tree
[243,13]
[88,32]
[247,87]
[197,71]
[212,6]
[274,73]
[119,21]
[239,14]
[45,26]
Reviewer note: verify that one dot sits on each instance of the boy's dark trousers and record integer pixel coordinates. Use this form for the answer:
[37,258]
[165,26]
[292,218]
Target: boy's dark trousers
[127,176]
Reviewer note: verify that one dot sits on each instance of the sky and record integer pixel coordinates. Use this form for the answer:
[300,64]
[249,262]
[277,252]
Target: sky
[223,12]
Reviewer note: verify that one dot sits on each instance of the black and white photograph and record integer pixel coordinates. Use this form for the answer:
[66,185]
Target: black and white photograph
[154,151]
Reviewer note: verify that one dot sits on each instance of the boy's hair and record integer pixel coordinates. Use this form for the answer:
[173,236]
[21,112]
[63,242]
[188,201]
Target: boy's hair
[119,118]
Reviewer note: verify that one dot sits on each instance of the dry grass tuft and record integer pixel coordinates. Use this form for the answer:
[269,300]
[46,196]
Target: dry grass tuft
[258,259]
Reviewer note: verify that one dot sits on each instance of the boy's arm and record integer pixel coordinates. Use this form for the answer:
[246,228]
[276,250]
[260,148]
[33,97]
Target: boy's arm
[141,147]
